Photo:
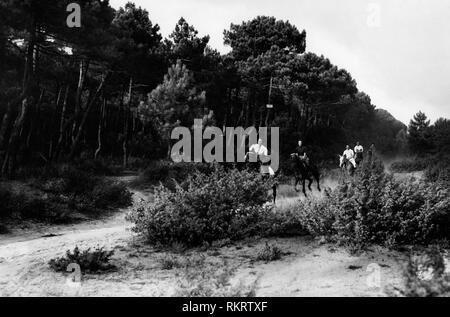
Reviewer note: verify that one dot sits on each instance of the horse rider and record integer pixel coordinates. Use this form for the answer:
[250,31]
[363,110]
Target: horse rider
[349,155]
[259,148]
[262,152]
[359,152]
[372,151]
[301,151]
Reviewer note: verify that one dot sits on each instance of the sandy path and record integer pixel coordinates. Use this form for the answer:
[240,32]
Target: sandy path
[24,255]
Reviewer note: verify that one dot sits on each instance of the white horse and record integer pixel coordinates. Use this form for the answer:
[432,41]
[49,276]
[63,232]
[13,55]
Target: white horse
[346,166]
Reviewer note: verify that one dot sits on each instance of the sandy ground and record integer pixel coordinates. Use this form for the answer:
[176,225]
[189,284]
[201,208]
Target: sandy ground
[307,268]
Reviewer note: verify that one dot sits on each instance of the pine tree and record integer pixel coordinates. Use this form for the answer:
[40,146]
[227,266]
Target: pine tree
[419,133]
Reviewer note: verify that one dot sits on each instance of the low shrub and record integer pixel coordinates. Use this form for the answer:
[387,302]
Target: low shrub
[439,171]
[90,261]
[5,202]
[109,194]
[283,221]
[437,167]
[410,165]
[170,262]
[55,197]
[373,207]
[3,229]
[426,276]
[206,208]
[101,166]
[269,253]
[170,174]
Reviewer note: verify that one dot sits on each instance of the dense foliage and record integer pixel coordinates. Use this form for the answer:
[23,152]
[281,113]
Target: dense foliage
[373,207]
[205,208]
[427,139]
[61,194]
[90,261]
[426,275]
[170,174]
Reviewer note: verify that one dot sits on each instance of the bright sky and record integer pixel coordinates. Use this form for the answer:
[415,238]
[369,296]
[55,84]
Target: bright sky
[397,50]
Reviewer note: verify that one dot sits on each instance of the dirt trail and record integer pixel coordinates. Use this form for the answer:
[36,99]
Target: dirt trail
[308,268]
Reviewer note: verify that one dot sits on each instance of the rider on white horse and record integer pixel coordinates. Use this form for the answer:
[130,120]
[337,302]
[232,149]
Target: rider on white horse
[261,151]
[259,148]
[349,154]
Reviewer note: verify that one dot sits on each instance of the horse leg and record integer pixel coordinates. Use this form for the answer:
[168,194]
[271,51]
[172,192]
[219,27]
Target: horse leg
[318,182]
[296,183]
[274,194]
[304,187]
[310,183]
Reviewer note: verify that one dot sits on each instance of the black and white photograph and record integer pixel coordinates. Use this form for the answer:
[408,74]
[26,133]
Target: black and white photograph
[224,149]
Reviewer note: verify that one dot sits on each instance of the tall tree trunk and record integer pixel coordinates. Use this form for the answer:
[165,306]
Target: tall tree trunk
[35,119]
[54,121]
[57,150]
[14,140]
[6,123]
[9,163]
[100,128]
[83,69]
[125,125]
[77,138]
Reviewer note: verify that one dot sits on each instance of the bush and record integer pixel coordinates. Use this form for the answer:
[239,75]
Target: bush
[94,261]
[170,262]
[425,276]
[439,171]
[282,222]
[410,165]
[205,209]
[64,191]
[75,181]
[170,174]
[108,194]
[99,166]
[3,229]
[269,253]
[437,168]
[373,207]
[5,202]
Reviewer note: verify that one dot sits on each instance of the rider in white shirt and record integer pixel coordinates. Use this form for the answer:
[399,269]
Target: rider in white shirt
[359,152]
[359,148]
[260,150]
[349,155]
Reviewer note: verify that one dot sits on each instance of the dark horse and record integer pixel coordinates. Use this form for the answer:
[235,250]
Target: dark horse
[260,167]
[303,172]
[359,158]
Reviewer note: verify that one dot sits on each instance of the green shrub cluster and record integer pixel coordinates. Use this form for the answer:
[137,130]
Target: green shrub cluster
[205,208]
[436,167]
[439,171]
[426,276]
[57,195]
[410,165]
[169,174]
[269,253]
[373,207]
[90,261]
